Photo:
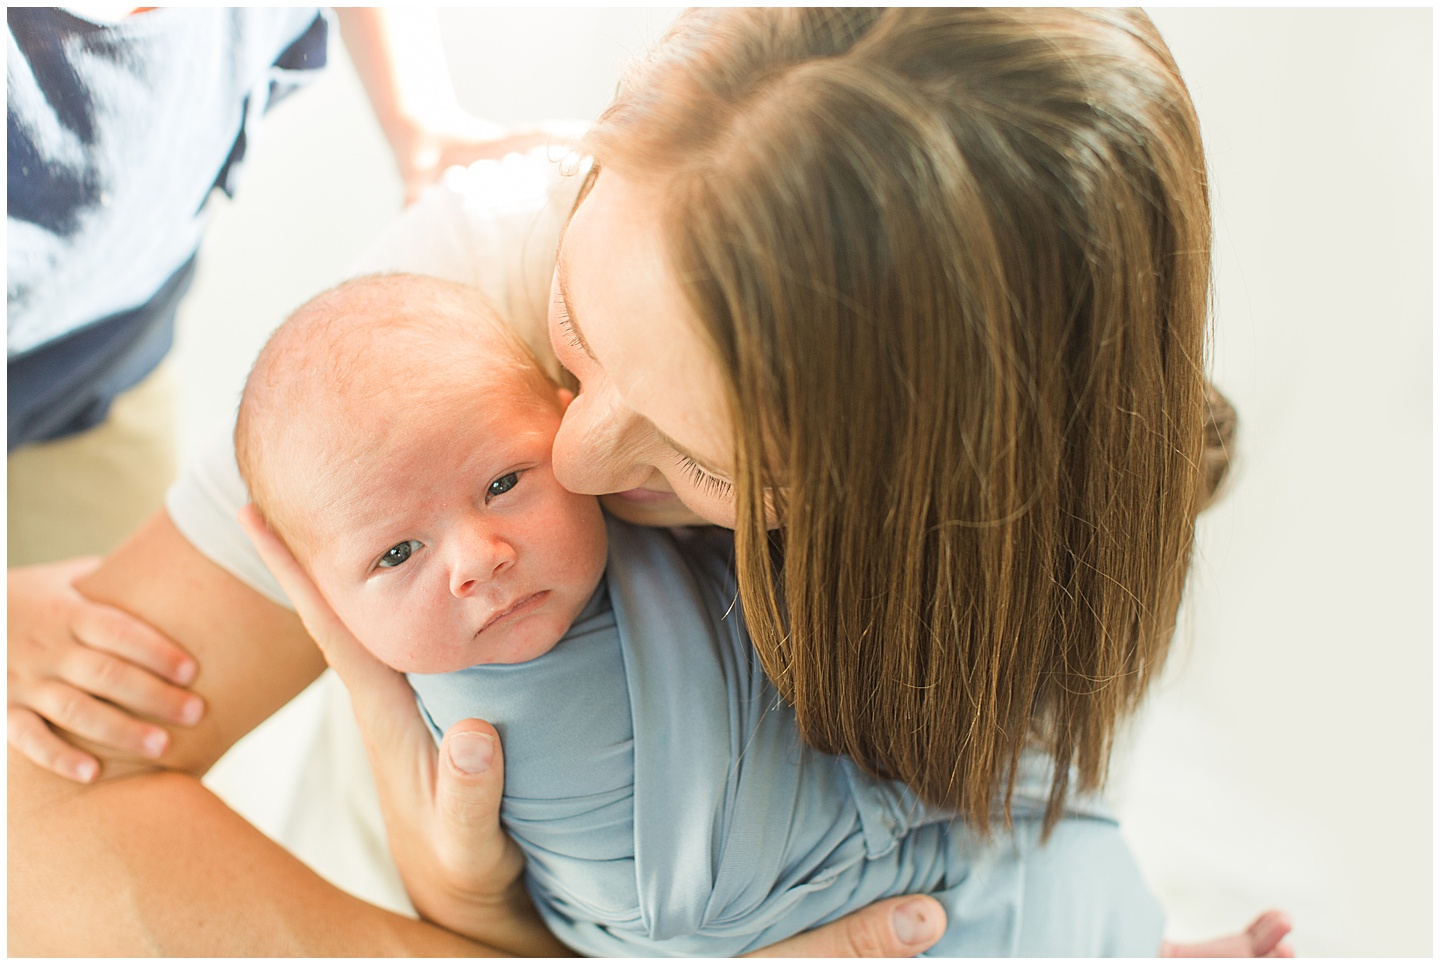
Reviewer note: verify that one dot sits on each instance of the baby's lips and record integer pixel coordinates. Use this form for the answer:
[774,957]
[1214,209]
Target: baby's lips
[516,604]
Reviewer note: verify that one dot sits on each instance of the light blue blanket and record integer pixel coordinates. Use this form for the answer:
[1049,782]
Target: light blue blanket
[666,805]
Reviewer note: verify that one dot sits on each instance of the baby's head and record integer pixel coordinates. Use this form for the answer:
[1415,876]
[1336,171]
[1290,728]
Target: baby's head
[396,435]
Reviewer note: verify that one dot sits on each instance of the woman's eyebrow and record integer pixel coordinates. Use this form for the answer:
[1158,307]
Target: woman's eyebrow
[574,324]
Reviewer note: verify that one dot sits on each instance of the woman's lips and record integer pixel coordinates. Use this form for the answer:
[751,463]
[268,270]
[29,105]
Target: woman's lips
[646,495]
[520,606]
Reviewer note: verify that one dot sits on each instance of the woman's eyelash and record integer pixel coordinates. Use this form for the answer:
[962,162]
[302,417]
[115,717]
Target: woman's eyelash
[562,319]
[712,485]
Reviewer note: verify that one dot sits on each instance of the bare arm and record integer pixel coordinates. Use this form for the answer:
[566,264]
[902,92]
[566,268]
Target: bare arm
[398,54]
[148,861]
[156,865]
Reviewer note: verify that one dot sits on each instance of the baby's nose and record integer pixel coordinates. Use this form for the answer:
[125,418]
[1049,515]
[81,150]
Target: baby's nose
[481,560]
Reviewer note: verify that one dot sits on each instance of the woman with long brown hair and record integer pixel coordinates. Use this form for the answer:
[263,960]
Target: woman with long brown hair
[915,301]
[958,359]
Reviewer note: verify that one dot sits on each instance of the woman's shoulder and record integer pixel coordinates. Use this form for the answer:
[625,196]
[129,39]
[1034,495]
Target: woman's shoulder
[495,226]
[515,199]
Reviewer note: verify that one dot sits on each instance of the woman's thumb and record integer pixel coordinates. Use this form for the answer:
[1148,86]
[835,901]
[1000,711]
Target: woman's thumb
[468,785]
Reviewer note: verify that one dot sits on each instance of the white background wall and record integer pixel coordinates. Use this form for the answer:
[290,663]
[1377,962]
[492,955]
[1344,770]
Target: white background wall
[1287,759]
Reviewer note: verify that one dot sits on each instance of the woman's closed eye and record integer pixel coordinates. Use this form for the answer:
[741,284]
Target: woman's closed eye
[399,553]
[704,481]
[562,320]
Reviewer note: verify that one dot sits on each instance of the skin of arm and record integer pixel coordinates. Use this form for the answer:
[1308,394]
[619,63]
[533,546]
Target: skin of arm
[401,63]
[147,861]
[398,56]
[154,864]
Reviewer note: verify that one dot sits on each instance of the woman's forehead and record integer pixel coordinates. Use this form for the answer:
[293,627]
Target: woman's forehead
[631,314]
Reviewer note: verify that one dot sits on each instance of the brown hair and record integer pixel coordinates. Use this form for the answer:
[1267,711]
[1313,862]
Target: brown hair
[355,353]
[955,266]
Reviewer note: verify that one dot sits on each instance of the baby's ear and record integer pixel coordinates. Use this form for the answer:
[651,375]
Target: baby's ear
[566,397]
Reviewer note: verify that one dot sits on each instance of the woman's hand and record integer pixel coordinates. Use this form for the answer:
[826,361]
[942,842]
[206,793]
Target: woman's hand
[90,669]
[442,811]
[400,59]
[425,148]
[894,928]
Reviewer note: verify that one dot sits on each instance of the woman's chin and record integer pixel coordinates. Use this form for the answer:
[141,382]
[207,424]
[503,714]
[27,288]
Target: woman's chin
[651,512]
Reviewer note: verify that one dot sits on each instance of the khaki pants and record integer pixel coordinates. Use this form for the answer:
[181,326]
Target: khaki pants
[84,494]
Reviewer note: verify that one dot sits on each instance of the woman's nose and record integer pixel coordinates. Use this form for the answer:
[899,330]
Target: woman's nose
[601,446]
[481,556]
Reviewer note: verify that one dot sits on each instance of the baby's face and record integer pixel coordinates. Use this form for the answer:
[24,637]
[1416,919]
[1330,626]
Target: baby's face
[452,544]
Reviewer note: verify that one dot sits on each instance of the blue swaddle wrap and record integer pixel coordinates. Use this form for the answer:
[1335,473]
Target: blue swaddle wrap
[667,806]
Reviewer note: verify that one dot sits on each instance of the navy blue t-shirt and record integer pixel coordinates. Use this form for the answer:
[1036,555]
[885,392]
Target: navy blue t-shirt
[116,134]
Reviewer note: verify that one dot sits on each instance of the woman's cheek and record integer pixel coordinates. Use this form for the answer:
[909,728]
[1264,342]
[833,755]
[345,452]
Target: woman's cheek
[711,509]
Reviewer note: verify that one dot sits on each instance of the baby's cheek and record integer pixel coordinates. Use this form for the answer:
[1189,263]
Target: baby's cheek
[390,639]
[379,638]
[585,534]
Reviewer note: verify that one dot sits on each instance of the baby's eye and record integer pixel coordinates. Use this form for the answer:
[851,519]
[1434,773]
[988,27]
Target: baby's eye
[399,553]
[502,485]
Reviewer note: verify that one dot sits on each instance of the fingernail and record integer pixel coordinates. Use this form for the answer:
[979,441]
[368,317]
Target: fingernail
[472,752]
[915,922]
[155,743]
[191,710]
[85,771]
[185,673]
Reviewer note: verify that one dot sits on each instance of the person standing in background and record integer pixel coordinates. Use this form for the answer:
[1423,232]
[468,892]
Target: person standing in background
[122,121]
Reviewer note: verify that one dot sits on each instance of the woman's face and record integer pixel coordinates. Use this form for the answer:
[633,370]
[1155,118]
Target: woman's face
[649,425]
